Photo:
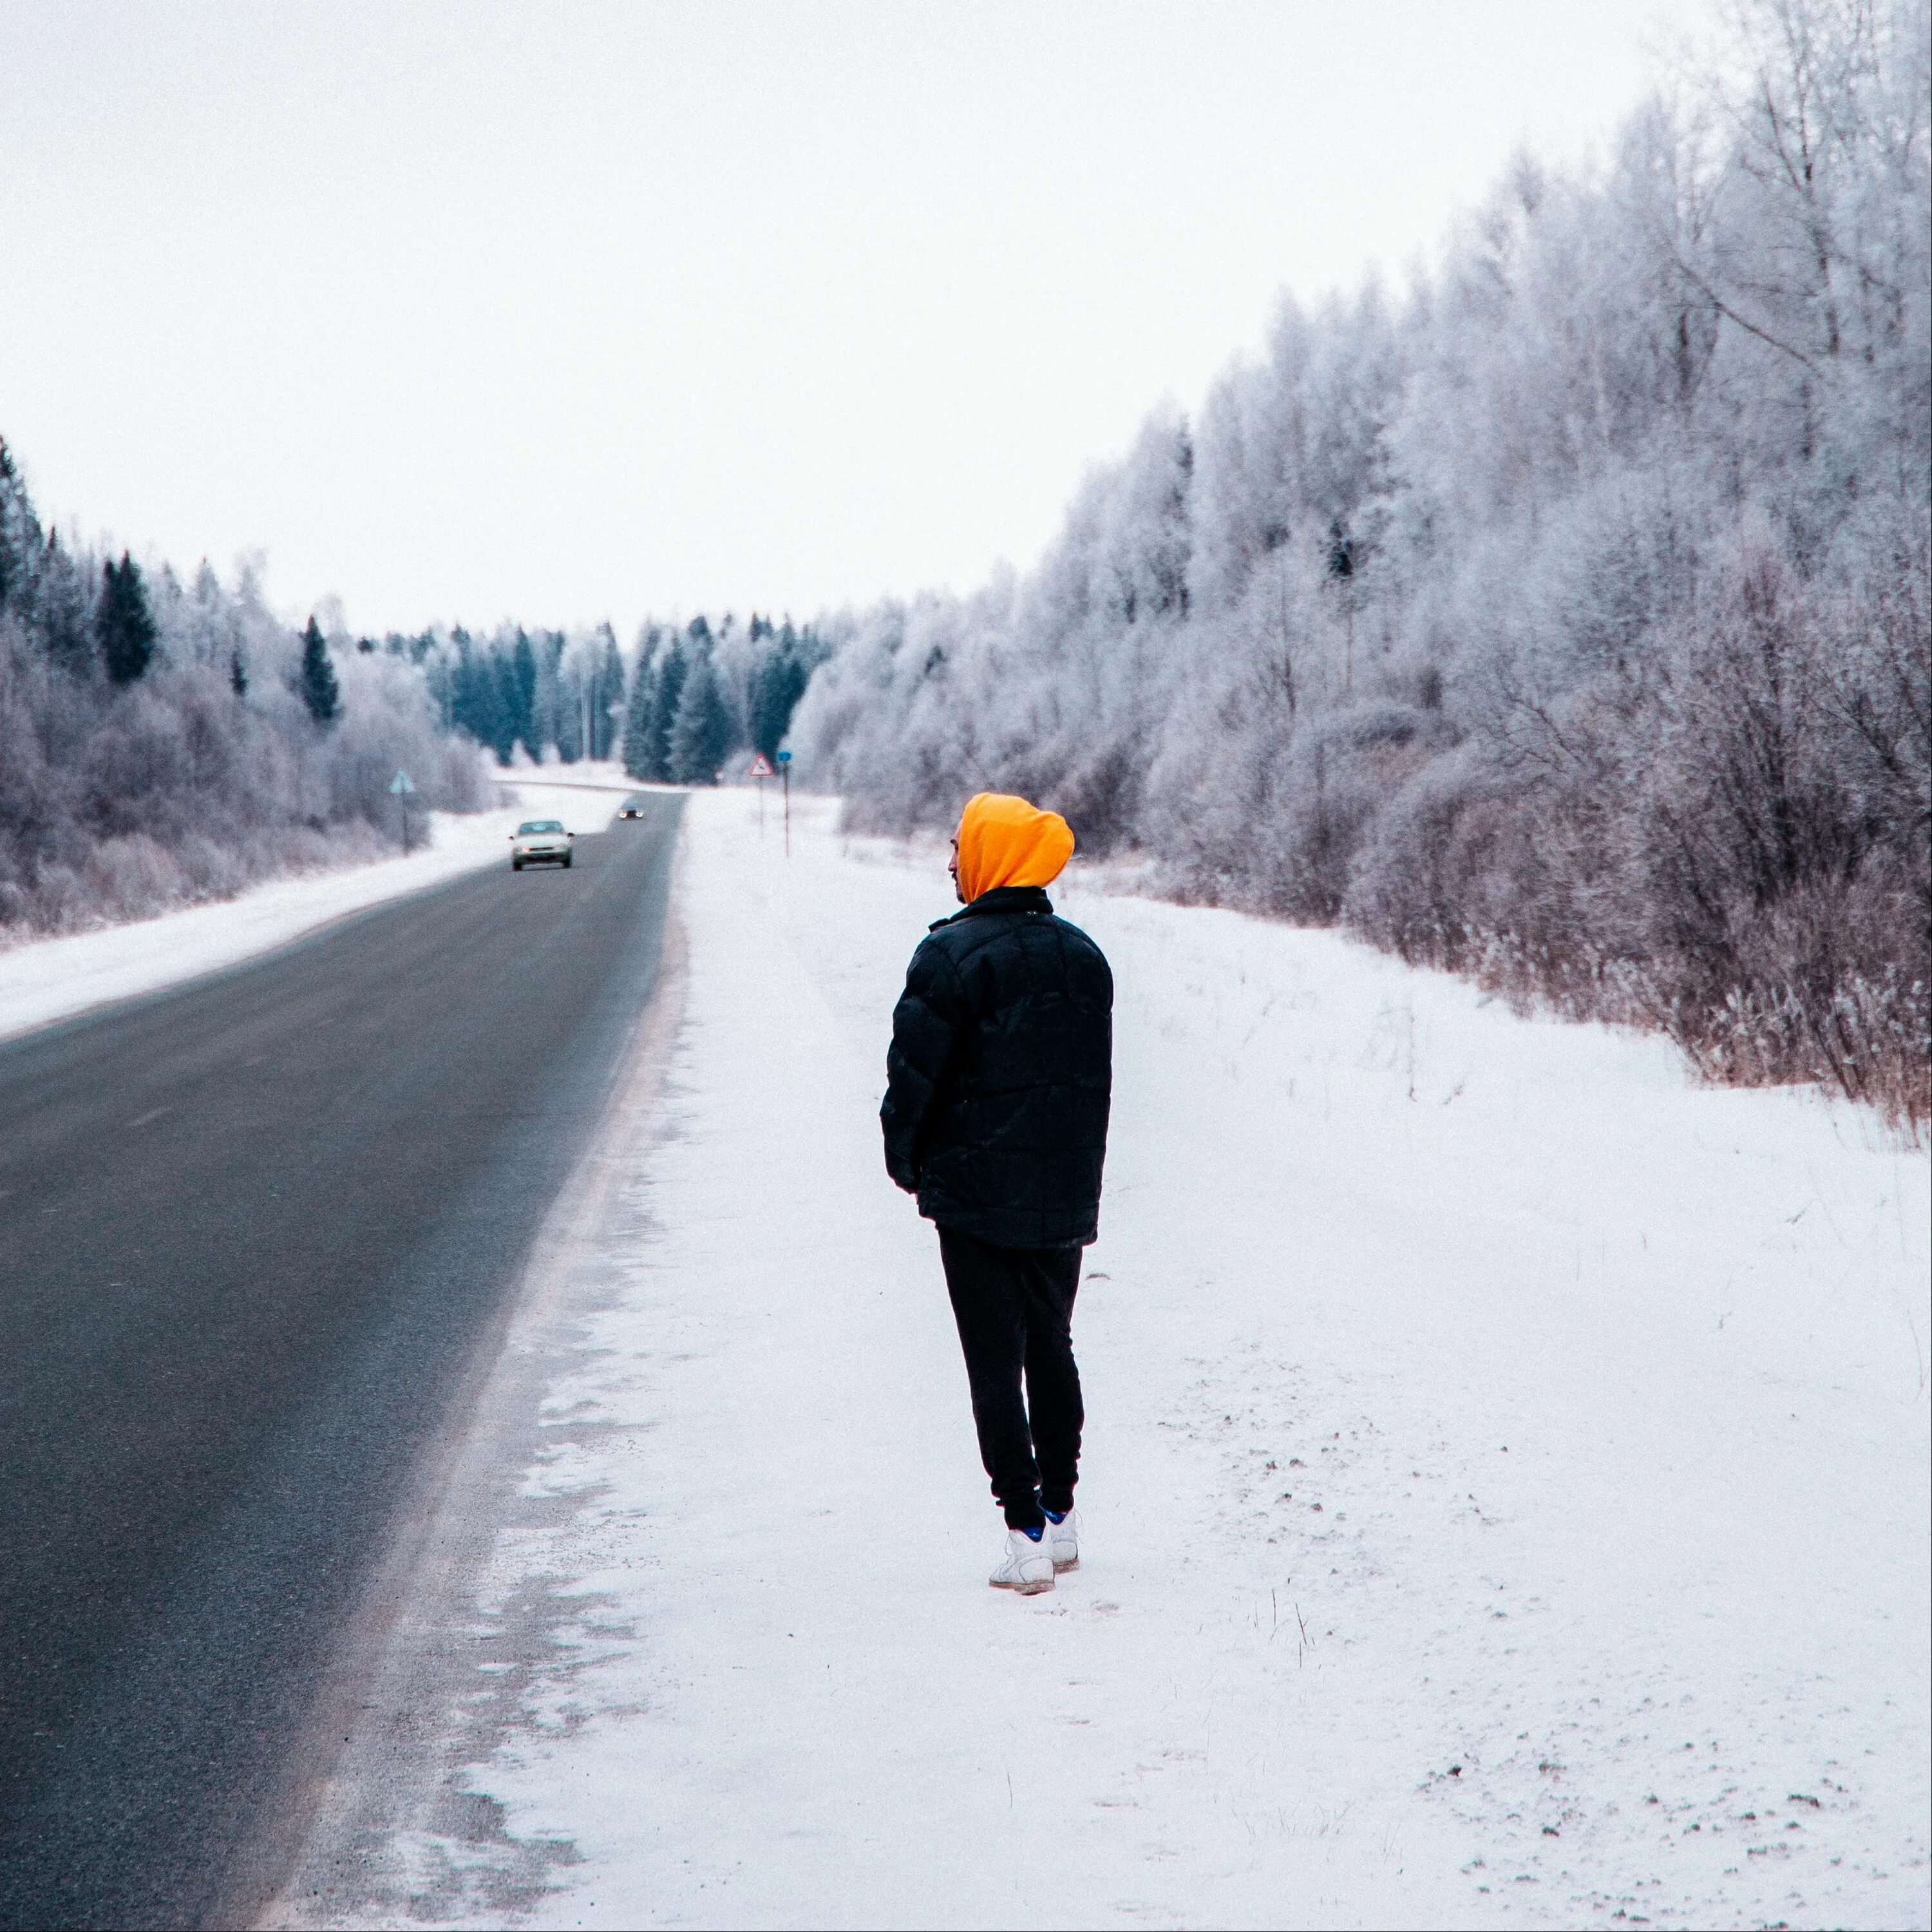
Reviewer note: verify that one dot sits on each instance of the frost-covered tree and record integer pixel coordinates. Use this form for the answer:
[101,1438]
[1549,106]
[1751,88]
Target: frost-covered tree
[520,694]
[786,659]
[667,677]
[701,730]
[1544,619]
[20,532]
[642,741]
[62,610]
[604,693]
[132,778]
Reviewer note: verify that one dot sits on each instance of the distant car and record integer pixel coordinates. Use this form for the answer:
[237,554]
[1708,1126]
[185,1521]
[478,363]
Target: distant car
[540,841]
[633,807]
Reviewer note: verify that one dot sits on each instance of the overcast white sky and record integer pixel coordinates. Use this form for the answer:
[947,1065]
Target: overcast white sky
[565,311]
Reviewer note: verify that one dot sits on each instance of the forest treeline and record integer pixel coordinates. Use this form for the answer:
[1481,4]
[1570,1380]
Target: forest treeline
[162,743]
[1562,618]
[690,696]
[697,696]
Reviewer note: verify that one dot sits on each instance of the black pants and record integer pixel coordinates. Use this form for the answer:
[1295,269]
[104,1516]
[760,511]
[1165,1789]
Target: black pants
[1015,1309]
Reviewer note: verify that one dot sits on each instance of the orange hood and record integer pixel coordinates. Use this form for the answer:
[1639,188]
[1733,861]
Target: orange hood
[1006,841]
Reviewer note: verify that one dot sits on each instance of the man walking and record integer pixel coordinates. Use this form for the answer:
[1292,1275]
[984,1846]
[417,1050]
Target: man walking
[995,1115]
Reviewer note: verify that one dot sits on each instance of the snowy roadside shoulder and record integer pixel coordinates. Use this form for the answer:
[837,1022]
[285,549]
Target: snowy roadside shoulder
[50,979]
[1505,1482]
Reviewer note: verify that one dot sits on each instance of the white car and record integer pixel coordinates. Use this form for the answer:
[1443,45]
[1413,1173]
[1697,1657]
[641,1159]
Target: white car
[540,841]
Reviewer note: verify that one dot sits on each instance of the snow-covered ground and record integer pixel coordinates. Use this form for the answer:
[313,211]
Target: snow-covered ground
[1506,1485]
[50,979]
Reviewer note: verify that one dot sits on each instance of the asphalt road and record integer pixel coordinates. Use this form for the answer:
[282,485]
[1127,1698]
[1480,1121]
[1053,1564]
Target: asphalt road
[255,1233]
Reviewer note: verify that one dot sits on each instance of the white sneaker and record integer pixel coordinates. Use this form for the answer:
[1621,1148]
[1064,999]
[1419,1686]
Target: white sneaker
[1064,1536]
[1029,1565]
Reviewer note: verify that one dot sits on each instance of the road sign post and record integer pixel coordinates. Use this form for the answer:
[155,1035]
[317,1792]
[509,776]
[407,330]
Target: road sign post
[761,769]
[784,777]
[401,787]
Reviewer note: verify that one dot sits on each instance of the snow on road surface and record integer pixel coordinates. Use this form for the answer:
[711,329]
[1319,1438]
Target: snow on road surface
[1505,1492]
[48,979]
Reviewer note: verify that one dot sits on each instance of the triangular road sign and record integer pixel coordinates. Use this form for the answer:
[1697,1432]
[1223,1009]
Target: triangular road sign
[760,768]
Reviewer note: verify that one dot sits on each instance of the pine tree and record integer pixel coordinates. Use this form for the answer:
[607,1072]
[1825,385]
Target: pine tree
[123,624]
[19,532]
[209,630]
[701,737]
[554,712]
[476,701]
[319,691]
[62,609]
[522,687]
[668,680]
[462,686]
[606,690]
[238,673]
[502,668]
[569,708]
[640,721]
[780,683]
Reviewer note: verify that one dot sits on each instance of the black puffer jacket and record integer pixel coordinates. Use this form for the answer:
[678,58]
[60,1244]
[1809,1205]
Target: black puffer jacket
[1000,1074]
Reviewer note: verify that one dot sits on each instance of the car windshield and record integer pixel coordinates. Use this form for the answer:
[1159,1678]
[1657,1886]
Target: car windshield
[541,825]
